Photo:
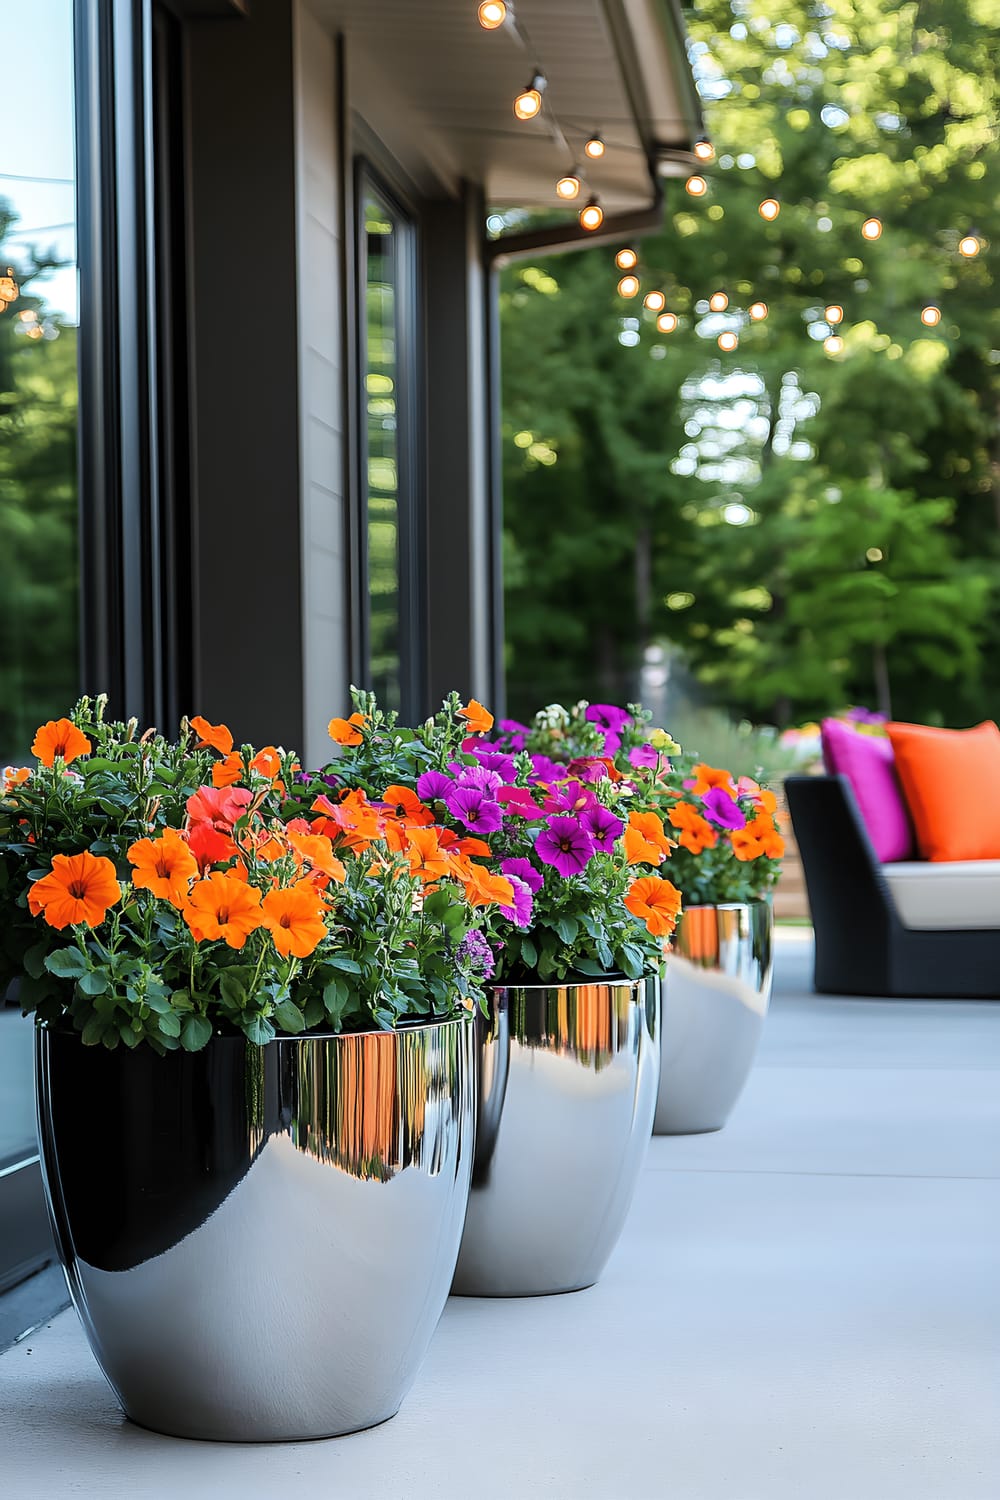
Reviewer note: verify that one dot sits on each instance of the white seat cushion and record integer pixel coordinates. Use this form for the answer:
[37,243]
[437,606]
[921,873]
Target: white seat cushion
[946,894]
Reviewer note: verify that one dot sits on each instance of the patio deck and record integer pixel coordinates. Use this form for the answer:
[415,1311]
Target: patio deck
[805,1306]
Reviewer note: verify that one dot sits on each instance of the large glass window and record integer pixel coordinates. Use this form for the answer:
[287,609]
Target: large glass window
[389,542]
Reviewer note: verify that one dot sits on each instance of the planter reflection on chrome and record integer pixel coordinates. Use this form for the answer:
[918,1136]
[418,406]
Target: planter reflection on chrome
[260,1240]
[567,1086]
[715,998]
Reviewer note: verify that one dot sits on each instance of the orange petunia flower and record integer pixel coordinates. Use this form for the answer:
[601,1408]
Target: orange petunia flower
[346,731]
[484,889]
[80,888]
[267,762]
[59,737]
[428,861]
[352,820]
[746,845]
[164,866]
[706,777]
[645,841]
[15,776]
[404,803]
[656,901]
[212,736]
[317,851]
[294,918]
[222,907]
[762,828]
[469,846]
[478,720]
[227,772]
[696,833]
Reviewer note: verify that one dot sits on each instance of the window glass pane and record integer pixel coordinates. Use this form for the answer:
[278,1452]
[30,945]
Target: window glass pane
[38,389]
[38,317]
[382,397]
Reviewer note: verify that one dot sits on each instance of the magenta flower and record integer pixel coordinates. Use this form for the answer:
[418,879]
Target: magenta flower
[612,720]
[566,845]
[515,733]
[546,770]
[433,786]
[518,799]
[602,826]
[524,901]
[644,757]
[569,797]
[588,768]
[473,808]
[720,808]
[497,761]
[487,782]
[524,870]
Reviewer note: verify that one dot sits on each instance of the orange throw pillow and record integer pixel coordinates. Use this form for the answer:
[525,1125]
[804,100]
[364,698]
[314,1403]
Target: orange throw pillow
[951,782]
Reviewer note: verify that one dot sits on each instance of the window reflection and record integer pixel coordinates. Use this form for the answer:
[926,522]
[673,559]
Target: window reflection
[382,369]
[38,380]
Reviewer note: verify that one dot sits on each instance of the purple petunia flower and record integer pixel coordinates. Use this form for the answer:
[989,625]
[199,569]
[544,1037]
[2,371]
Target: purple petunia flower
[516,733]
[602,826]
[612,720]
[473,808]
[644,757]
[433,785]
[524,870]
[569,796]
[547,770]
[475,952]
[588,768]
[722,809]
[497,761]
[483,780]
[524,901]
[564,844]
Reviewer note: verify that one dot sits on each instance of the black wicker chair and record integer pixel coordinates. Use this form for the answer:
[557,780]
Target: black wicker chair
[862,947]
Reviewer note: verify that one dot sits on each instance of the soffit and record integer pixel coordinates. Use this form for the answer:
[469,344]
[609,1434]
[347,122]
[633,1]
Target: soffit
[429,63]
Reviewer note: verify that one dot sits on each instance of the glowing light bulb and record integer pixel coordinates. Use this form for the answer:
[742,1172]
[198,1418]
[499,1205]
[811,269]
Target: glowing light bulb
[592,216]
[704,150]
[834,313]
[718,302]
[968,246]
[628,286]
[529,102]
[626,259]
[727,342]
[874,554]
[757,311]
[568,187]
[833,344]
[930,315]
[655,301]
[696,186]
[769,209]
[8,288]
[667,322]
[492,13]
[871,229]
[595,148]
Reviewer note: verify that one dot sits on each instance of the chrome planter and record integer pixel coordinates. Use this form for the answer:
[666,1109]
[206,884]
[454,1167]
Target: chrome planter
[260,1240]
[715,998]
[567,1088]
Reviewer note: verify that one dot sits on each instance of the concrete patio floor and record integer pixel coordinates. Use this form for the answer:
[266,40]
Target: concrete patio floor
[805,1306]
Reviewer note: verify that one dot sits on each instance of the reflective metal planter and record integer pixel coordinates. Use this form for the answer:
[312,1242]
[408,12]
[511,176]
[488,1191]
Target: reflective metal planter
[567,1086]
[715,998]
[260,1240]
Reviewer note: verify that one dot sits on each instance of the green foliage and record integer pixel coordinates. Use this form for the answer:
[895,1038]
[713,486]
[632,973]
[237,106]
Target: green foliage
[734,506]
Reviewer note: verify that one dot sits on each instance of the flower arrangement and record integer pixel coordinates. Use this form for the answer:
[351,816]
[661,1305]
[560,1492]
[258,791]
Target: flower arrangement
[726,845]
[574,860]
[155,891]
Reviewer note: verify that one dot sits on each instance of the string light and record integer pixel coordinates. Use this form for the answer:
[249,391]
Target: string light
[654,301]
[592,215]
[871,229]
[492,13]
[718,302]
[834,314]
[568,187]
[529,102]
[8,289]
[628,286]
[930,315]
[834,344]
[727,342]
[969,246]
[704,150]
[769,209]
[595,147]
[626,259]
[696,186]
[667,322]
[757,311]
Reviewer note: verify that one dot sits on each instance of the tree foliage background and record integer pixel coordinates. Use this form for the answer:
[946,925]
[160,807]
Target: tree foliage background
[803,529]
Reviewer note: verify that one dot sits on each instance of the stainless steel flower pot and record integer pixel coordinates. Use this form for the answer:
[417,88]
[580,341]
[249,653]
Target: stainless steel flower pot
[715,997]
[567,1088]
[260,1240]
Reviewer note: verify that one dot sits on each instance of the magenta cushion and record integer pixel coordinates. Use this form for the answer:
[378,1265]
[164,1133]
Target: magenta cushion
[869,765]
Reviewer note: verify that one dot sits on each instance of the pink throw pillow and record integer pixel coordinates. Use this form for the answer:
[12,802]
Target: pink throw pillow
[868,762]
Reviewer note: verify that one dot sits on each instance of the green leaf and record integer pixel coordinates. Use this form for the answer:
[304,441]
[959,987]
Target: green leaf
[196,1033]
[170,1025]
[567,928]
[93,1031]
[591,966]
[34,959]
[94,982]
[529,953]
[341,961]
[233,990]
[289,1017]
[260,1031]
[66,963]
